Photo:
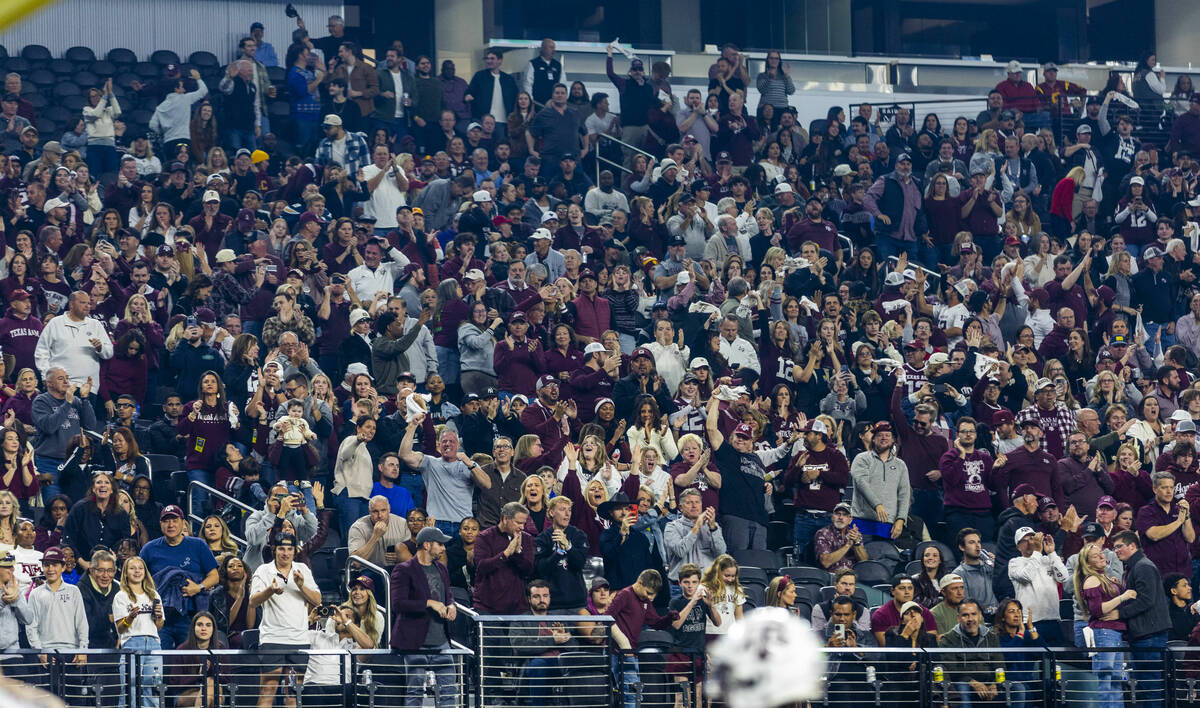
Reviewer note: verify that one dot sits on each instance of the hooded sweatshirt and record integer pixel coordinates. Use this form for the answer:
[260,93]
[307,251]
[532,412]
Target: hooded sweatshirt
[19,337]
[172,118]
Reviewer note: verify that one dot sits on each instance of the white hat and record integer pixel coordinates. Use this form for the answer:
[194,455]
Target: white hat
[226,255]
[211,196]
[843,170]
[474,274]
[549,216]
[53,204]
[937,359]
[682,278]
[662,166]
[358,315]
[1137,180]
[482,196]
[894,278]
[359,368]
[332,119]
[949,579]
[594,348]
[783,188]
[698,362]
[1014,67]
[540,234]
[1180,415]
[1022,533]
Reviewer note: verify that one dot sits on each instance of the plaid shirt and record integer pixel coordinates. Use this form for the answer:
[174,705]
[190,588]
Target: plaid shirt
[357,152]
[1057,423]
[828,540]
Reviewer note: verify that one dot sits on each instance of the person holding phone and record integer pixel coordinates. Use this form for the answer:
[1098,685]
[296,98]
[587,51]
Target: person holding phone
[625,553]
[138,613]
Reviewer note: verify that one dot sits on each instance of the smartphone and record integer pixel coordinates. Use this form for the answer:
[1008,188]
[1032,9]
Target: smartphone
[633,512]
[939,388]
[192,321]
[839,630]
[183,247]
[271,267]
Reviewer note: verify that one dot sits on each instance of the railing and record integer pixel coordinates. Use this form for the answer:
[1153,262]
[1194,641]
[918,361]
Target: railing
[623,145]
[194,517]
[385,591]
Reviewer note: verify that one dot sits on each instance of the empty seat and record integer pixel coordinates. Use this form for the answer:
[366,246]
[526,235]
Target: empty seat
[139,115]
[3,52]
[750,574]
[79,54]
[162,57]
[278,109]
[779,534]
[805,575]
[47,127]
[42,78]
[17,64]
[204,60]
[276,74]
[86,79]
[125,80]
[36,54]
[121,56]
[767,560]
[146,70]
[884,551]
[66,88]
[62,67]
[60,114]
[36,99]
[871,572]
[103,69]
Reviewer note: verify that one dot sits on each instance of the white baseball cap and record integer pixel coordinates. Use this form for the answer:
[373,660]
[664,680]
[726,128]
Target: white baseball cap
[482,196]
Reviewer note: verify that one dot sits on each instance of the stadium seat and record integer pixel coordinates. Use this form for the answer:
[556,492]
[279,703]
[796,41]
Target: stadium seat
[46,126]
[756,595]
[804,611]
[147,71]
[103,69]
[66,88]
[767,560]
[62,67]
[655,639]
[276,74]
[125,79]
[779,534]
[121,56]
[204,60]
[884,551]
[751,574]
[42,78]
[37,100]
[36,54]
[79,55]
[871,572]
[3,52]
[805,575]
[162,57]
[140,115]
[86,79]
[17,64]
[947,553]
[59,114]
[912,567]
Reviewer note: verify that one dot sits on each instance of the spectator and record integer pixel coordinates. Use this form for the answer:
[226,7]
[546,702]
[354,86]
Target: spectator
[891,615]
[1146,617]
[183,566]
[845,585]
[448,478]
[946,612]
[1032,464]
[284,590]
[1035,575]
[59,620]
[14,608]
[492,91]
[504,556]
[560,554]
[693,538]
[881,488]
[544,640]
[423,607]
[632,609]
[172,117]
[362,83]
[379,536]
[839,545]
[1179,592]
[817,478]
[97,520]
[59,417]
[975,570]
[137,611]
[973,674]
[1164,526]
[58,345]
[261,526]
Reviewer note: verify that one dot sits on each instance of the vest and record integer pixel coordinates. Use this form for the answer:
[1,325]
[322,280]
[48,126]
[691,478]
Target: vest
[591,316]
[545,75]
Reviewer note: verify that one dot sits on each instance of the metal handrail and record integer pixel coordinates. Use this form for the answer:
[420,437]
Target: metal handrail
[192,516]
[387,593]
[600,158]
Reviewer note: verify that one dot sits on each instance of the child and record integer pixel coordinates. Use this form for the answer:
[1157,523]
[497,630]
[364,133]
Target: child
[688,630]
[632,608]
[292,440]
[70,572]
[724,593]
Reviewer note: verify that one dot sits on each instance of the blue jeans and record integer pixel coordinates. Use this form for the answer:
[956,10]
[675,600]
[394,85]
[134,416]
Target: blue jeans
[1133,249]
[1106,665]
[628,343]
[625,668]
[47,465]
[448,364]
[200,497]
[349,509]
[806,527]
[306,128]
[1152,328]
[175,633]
[1147,669]
[927,506]
[239,139]
[889,246]
[150,669]
[450,528]
[1050,632]
[417,665]
[397,127]
[103,158]
[415,484]
[540,672]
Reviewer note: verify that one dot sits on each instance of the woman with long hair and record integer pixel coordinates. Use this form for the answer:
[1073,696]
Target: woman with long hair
[448,314]
[1109,390]
[1015,630]
[202,130]
[97,520]
[533,496]
[215,534]
[1079,364]
[137,530]
[207,424]
[725,593]
[230,600]
[523,112]
[1023,215]
[362,599]
[138,613]
[18,476]
[196,680]
[781,592]
[1096,596]
[10,512]
[926,580]
[50,526]
[586,462]
[127,372]
[476,350]
[241,374]
[460,554]
[128,460]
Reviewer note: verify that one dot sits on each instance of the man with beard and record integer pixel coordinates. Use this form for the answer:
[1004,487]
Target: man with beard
[882,493]
[816,229]
[816,479]
[522,293]
[1023,512]
[1082,476]
[601,200]
[544,417]
[895,202]
[922,452]
[642,380]
[1053,420]
[20,330]
[1029,465]
[966,473]
[595,380]
[840,544]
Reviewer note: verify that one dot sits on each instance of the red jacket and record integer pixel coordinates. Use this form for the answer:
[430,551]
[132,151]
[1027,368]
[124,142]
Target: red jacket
[1021,96]
[500,581]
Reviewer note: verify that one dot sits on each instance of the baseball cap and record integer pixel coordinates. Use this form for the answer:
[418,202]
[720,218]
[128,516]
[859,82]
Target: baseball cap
[472,396]
[18,295]
[1023,489]
[545,380]
[723,156]
[474,274]
[165,250]
[1013,67]
[517,316]
[882,427]
[548,216]
[744,430]
[332,119]
[903,157]
[842,506]
[1043,383]
[54,147]
[226,255]
[587,273]
[356,316]
[1092,530]
[636,65]
[937,358]
[1180,415]
[258,156]
[481,196]
[1136,179]
[1045,503]
[783,188]
[406,376]
[1107,295]
[1012,241]
[1007,115]
[642,351]
[1108,501]
[1083,128]
[815,426]
[540,234]
[698,363]
[842,170]
[910,605]
[359,368]
[1151,251]
[53,554]
[1001,417]
[1118,340]
[1049,66]
[54,203]
[1022,533]
[8,560]
[285,539]
[949,579]
[432,533]
[474,126]
[915,344]
[1186,426]
[205,315]
[169,511]
[597,583]
[211,196]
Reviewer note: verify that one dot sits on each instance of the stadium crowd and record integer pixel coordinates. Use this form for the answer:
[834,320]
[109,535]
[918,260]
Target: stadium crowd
[404,318]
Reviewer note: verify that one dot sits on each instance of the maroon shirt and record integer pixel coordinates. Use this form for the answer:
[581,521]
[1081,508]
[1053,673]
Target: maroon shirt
[824,233]
[981,220]
[500,581]
[1171,553]
[823,493]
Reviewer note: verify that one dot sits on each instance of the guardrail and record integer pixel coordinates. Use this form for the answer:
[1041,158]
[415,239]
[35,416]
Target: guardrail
[193,516]
[601,138]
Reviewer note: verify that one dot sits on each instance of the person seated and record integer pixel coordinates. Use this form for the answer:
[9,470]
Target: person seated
[542,642]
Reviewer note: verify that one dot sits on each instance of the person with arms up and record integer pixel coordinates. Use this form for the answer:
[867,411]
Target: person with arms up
[449,478]
[284,590]
[1035,575]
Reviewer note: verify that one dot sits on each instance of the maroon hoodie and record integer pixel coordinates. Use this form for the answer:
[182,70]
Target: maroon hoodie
[19,337]
[207,435]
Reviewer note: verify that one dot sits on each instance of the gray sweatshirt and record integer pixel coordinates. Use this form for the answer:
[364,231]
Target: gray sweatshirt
[11,617]
[58,421]
[172,118]
[258,531]
[59,620]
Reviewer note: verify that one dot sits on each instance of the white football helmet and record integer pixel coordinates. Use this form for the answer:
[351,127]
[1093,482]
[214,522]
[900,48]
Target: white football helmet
[770,658]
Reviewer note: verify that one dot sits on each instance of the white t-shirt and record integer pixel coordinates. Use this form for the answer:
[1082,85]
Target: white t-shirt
[284,616]
[28,565]
[952,317]
[143,626]
[725,606]
[385,200]
[322,670]
[338,150]
[398,82]
[497,109]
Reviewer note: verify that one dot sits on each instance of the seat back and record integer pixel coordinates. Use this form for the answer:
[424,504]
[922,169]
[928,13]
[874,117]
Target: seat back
[872,572]
[807,575]
[767,560]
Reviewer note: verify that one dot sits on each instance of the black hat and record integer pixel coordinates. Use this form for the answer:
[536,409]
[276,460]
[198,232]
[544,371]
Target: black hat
[617,500]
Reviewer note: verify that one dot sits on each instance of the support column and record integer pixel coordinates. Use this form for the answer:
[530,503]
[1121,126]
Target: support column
[681,25]
[1174,34]
[459,34]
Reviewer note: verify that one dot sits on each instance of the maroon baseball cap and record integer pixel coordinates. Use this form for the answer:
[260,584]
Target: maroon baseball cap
[363,581]
[915,345]
[18,295]
[723,157]
[545,380]
[169,511]
[1106,501]
[53,554]
[1002,416]
[642,351]
[744,430]
[1023,489]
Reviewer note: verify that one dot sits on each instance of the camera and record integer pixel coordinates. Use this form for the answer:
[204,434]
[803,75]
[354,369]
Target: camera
[326,611]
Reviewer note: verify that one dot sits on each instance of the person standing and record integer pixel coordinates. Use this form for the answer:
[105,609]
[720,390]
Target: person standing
[59,620]
[817,478]
[1165,527]
[284,590]
[1146,617]
[423,607]
[504,558]
[882,493]
[561,552]
[137,612]
[97,590]
[545,70]
[492,92]
[1035,575]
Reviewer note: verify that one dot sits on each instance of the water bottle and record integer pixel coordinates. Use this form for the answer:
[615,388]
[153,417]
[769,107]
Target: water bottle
[430,682]
[366,677]
[870,674]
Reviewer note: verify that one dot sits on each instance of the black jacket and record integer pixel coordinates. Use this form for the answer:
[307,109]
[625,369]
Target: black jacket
[480,90]
[1147,614]
[1011,519]
[87,528]
[563,571]
[102,632]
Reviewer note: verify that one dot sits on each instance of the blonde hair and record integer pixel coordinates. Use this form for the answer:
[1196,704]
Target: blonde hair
[1083,571]
[1076,175]
[148,588]
[531,479]
[587,497]
[717,589]
[11,521]
[129,303]
[524,445]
